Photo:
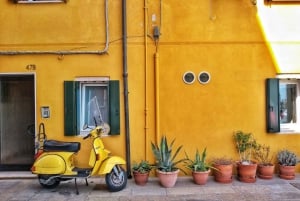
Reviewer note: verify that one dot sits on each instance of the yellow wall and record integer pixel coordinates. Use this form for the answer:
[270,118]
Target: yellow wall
[227,38]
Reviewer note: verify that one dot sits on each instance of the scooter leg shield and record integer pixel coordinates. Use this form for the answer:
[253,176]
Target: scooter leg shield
[49,164]
[109,163]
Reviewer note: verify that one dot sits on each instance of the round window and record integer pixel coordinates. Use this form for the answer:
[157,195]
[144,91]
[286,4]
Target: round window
[204,77]
[188,77]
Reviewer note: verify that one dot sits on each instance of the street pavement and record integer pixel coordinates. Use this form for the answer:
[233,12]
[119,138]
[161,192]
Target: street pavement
[25,187]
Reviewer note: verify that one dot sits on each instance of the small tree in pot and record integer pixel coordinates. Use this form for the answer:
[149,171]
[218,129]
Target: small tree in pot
[246,168]
[265,168]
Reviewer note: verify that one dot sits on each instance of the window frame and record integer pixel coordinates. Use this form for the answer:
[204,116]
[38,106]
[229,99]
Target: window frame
[83,102]
[72,107]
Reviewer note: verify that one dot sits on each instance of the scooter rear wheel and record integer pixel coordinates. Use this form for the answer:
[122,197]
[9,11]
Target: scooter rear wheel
[116,180]
[48,181]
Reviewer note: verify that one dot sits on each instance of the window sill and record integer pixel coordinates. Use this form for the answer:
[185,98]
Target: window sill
[289,129]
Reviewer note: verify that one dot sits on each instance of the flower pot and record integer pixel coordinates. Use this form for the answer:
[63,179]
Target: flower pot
[247,172]
[167,179]
[140,178]
[265,171]
[200,178]
[224,173]
[287,172]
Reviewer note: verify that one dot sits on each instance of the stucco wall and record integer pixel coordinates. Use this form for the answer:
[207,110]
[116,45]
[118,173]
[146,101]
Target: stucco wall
[222,37]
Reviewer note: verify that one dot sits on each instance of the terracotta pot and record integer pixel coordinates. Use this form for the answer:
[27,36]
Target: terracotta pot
[200,177]
[140,178]
[247,172]
[224,173]
[167,179]
[265,171]
[287,172]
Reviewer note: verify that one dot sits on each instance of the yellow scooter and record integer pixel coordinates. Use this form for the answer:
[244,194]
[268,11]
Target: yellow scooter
[55,163]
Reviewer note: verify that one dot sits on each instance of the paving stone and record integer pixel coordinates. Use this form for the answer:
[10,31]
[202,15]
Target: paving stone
[184,190]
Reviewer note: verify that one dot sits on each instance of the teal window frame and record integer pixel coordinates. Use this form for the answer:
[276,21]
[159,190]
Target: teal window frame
[72,107]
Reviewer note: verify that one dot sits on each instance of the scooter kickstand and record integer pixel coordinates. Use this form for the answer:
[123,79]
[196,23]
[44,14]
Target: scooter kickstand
[77,192]
[86,182]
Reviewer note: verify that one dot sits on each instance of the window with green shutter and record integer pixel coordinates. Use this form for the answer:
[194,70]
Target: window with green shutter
[92,103]
[283,105]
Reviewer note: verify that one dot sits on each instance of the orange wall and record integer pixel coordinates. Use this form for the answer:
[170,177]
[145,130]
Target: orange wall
[225,38]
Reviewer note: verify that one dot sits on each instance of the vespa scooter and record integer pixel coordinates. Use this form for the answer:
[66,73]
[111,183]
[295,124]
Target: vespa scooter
[55,163]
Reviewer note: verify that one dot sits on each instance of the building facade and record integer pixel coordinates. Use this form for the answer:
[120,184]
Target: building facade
[193,70]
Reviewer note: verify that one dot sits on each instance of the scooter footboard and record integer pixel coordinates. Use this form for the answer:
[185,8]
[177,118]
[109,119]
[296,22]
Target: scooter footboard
[109,163]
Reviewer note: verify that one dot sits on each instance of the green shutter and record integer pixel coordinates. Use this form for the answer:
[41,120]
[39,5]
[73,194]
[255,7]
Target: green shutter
[114,107]
[70,108]
[272,105]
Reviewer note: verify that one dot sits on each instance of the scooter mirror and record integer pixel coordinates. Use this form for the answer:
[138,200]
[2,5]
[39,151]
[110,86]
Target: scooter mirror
[105,128]
[85,126]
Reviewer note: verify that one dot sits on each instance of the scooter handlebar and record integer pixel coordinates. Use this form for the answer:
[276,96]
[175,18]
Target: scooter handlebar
[87,136]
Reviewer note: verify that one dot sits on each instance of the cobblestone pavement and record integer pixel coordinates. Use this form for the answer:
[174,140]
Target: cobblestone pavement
[28,189]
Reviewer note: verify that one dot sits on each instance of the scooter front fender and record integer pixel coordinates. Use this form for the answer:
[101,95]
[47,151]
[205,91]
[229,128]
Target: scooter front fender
[109,163]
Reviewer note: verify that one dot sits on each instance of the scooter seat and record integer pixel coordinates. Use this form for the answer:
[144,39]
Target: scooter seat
[54,145]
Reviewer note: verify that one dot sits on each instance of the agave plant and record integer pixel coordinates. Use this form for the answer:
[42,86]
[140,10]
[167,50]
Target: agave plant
[199,163]
[165,155]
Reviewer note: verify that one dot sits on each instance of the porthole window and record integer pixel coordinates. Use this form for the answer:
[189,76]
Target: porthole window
[204,77]
[189,77]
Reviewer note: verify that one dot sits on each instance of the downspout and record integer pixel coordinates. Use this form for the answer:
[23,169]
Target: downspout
[156,35]
[67,52]
[125,83]
[146,75]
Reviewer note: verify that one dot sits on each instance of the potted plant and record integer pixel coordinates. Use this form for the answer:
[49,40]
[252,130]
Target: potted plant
[166,165]
[265,167]
[223,168]
[199,167]
[246,167]
[287,161]
[141,172]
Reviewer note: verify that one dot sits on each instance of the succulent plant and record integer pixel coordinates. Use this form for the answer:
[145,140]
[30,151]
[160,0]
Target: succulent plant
[142,167]
[287,158]
[165,155]
[198,164]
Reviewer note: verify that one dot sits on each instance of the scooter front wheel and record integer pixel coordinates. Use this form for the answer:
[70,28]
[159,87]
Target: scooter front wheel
[48,181]
[116,180]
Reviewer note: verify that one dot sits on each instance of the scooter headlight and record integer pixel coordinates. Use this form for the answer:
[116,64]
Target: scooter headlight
[98,129]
